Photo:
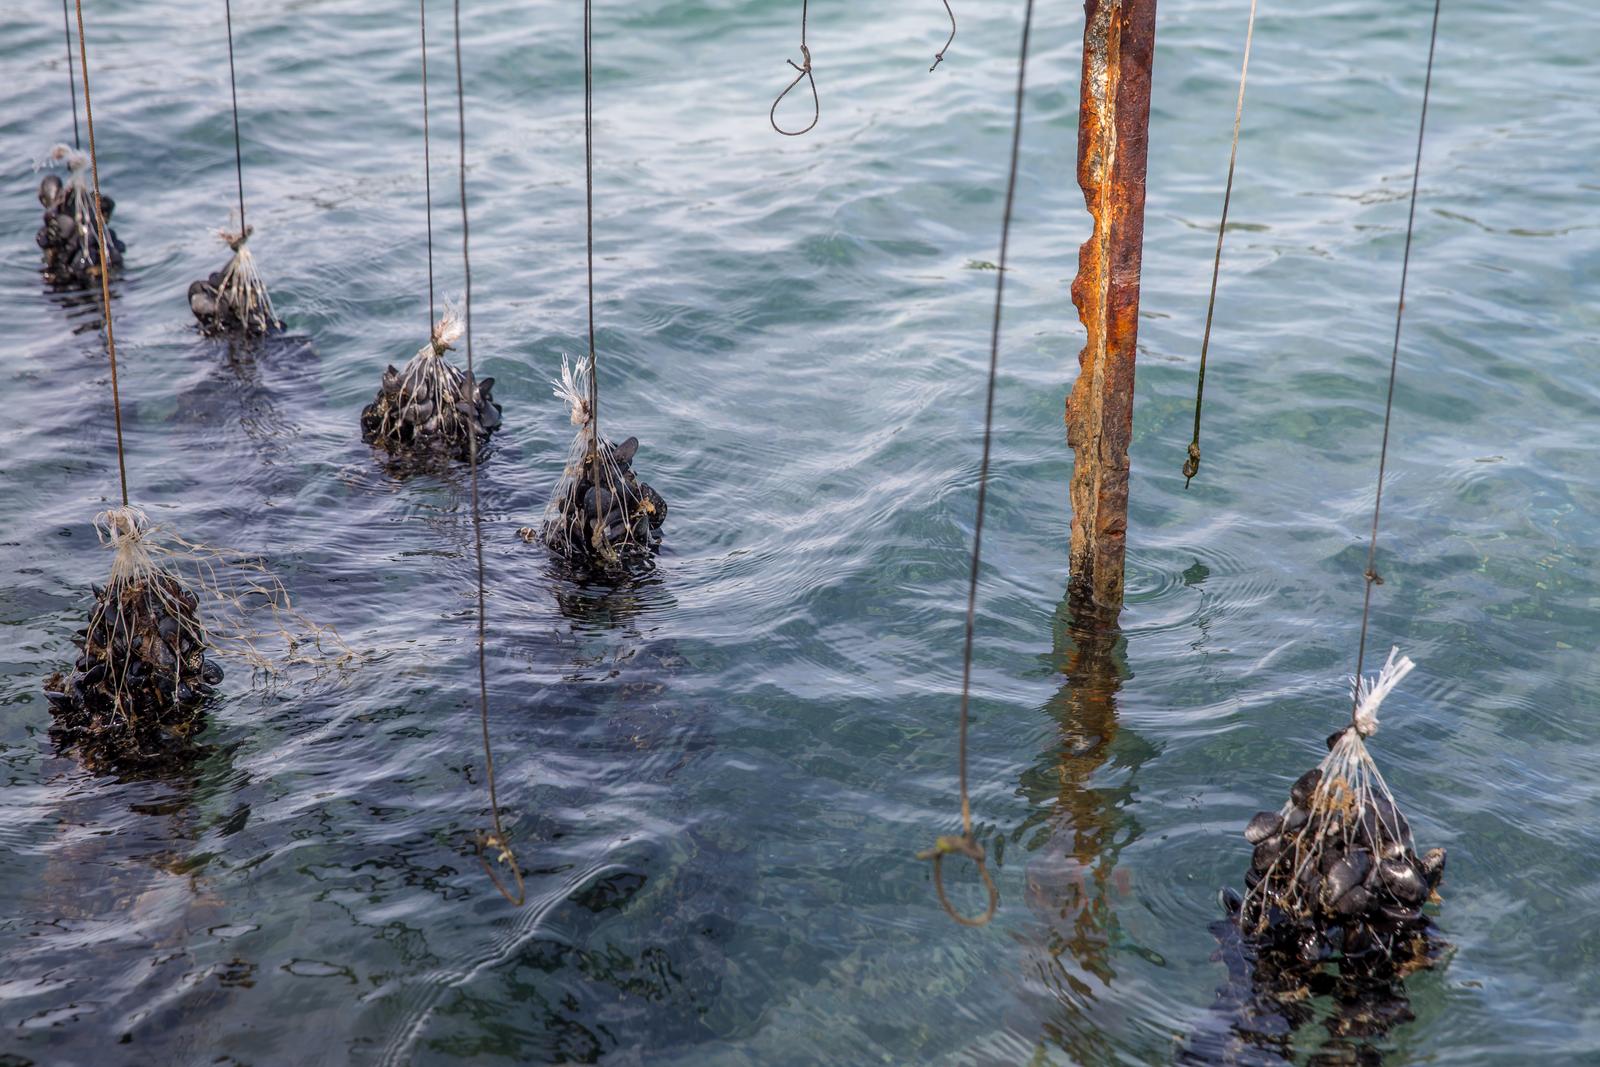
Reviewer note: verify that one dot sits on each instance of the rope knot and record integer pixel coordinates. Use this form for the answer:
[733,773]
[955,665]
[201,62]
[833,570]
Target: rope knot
[1373,576]
[1191,466]
[235,239]
[961,845]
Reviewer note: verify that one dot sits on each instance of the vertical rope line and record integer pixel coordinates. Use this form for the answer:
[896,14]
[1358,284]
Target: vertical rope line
[238,152]
[72,75]
[427,159]
[1394,361]
[588,179]
[988,416]
[105,280]
[1191,467]
[477,517]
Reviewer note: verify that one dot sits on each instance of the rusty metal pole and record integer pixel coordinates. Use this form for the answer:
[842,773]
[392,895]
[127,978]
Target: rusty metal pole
[1119,39]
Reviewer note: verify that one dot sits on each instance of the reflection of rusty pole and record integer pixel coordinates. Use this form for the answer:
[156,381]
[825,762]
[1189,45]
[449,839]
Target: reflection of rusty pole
[1119,39]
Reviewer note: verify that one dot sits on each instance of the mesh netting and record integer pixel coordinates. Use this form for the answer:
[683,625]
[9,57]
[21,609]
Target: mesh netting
[600,511]
[70,236]
[234,300]
[432,404]
[169,605]
[1338,859]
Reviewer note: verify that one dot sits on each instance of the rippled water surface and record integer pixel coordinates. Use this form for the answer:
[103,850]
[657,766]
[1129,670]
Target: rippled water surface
[717,776]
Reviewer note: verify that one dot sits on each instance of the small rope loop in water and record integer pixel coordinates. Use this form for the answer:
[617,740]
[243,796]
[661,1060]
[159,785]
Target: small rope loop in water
[938,56]
[816,103]
[961,845]
[506,856]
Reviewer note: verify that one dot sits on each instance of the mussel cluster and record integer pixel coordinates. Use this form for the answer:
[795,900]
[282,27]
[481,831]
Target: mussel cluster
[141,675]
[435,406]
[70,237]
[609,522]
[234,300]
[1339,872]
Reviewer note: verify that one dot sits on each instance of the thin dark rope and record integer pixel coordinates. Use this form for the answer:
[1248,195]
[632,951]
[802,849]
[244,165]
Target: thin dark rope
[1191,466]
[939,55]
[427,157]
[965,844]
[105,279]
[1372,576]
[588,181]
[238,152]
[804,68]
[498,840]
[72,76]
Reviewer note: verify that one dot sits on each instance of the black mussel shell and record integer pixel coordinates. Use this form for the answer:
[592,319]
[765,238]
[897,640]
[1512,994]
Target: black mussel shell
[626,451]
[1266,852]
[49,189]
[1359,940]
[1262,826]
[1304,786]
[1230,900]
[211,672]
[1403,880]
[1432,864]
[1400,914]
[1333,738]
[1346,874]
[1298,817]
[1355,901]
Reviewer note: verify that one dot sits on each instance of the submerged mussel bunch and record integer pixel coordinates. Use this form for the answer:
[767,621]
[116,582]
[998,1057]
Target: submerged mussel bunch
[234,300]
[610,522]
[70,236]
[1340,870]
[136,689]
[431,404]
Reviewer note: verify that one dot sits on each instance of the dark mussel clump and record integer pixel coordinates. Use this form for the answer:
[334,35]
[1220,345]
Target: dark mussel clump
[1335,872]
[610,522]
[70,236]
[430,404]
[234,300]
[136,690]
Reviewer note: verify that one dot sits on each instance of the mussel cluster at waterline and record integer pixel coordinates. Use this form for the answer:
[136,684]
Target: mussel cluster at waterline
[1336,869]
[70,236]
[600,512]
[142,674]
[234,300]
[431,404]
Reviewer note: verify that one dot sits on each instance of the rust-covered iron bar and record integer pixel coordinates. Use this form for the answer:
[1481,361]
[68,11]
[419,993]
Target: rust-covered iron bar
[1119,39]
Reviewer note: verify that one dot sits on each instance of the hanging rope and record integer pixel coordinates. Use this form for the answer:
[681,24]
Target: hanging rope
[1191,466]
[238,151]
[496,840]
[588,183]
[1371,574]
[427,156]
[939,55]
[804,68]
[965,844]
[105,279]
[72,76]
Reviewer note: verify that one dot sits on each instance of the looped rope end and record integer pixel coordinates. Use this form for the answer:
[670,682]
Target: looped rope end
[1191,466]
[816,103]
[961,845]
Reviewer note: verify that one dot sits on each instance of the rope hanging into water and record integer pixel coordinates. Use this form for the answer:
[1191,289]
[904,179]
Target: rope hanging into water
[498,839]
[72,75]
[1371,574]
[804,68]
[588,207]
[938,56]
[238,151]
[105,279]
[427,157]
[1191,466]
[965,844]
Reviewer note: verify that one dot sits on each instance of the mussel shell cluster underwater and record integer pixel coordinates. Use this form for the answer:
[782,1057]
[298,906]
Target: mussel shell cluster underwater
[1340,882]
[69,237]
[141,677]
[614,522]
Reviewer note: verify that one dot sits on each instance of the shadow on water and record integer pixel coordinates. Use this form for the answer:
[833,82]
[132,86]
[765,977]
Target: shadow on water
[1079,828]
[618,954]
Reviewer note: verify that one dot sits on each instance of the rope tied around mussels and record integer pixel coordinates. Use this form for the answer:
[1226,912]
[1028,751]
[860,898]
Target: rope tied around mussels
[431,403]
[614,523]
[146,666]
[234,300]
[70,236]
[1337,863]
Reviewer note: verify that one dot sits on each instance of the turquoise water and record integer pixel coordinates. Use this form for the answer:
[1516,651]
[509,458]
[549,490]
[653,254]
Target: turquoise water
[717,777]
